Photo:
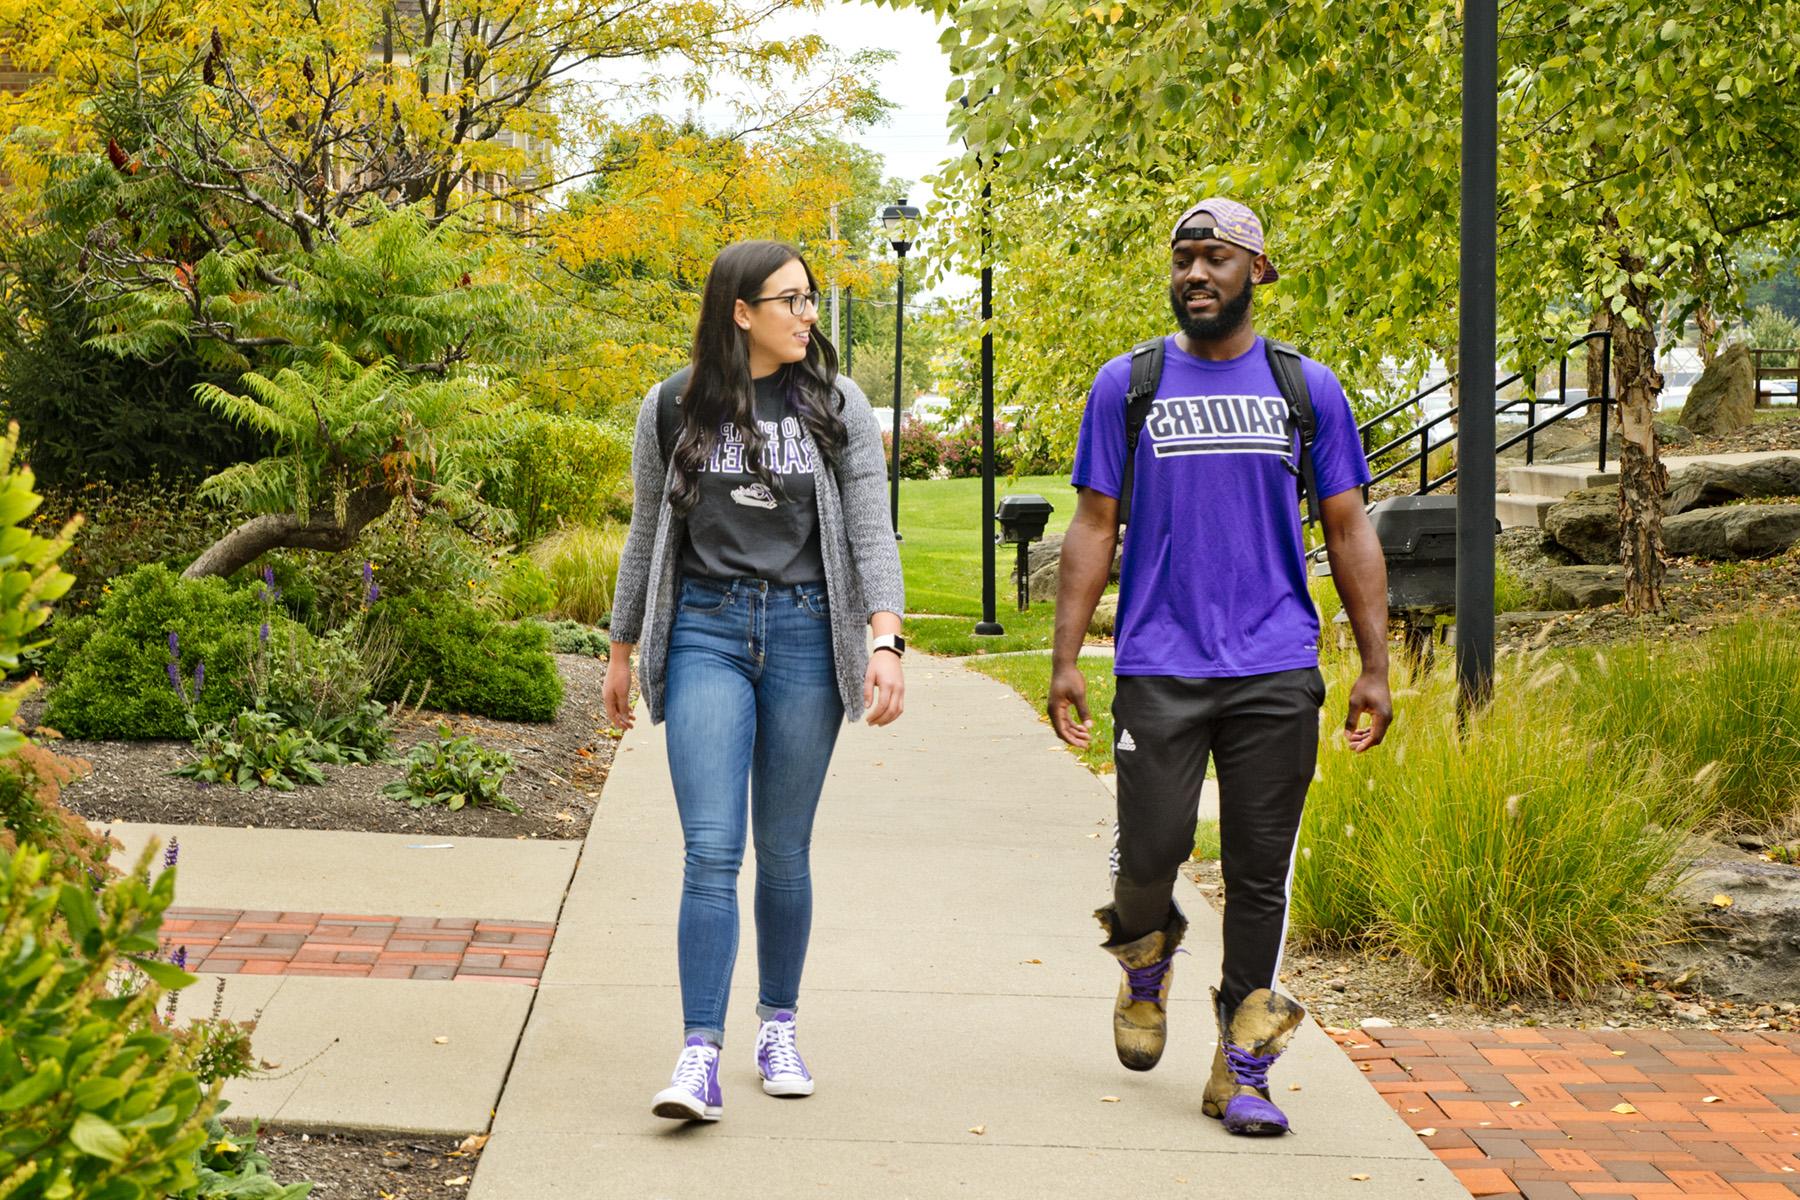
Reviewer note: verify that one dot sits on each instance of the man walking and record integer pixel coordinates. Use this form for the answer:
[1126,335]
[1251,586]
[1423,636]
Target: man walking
[1201,443]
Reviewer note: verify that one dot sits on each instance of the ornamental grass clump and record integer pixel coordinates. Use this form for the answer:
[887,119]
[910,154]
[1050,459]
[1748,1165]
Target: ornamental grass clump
[1723,712]
[1520,855]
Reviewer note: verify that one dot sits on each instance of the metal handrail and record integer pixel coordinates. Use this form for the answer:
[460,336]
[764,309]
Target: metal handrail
[1422,431]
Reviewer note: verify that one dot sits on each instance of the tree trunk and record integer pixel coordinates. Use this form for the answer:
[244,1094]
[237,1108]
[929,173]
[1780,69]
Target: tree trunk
[1642,480]
[1596,353]
[1709,327]
[321,530]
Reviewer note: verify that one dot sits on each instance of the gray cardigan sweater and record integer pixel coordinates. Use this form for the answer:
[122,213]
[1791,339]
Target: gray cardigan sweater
[856,541]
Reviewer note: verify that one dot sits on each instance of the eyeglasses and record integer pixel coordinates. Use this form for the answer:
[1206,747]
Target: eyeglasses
[797,302]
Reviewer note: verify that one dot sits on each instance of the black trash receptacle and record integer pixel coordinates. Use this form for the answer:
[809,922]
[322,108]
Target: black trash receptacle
[1418,540]
[1022,519]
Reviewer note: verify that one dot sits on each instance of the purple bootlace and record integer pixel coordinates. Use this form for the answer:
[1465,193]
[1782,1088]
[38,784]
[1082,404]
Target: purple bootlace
[1248,1069]
[1146,982]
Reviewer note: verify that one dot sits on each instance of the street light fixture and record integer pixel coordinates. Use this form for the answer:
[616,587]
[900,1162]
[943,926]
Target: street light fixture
[899,220]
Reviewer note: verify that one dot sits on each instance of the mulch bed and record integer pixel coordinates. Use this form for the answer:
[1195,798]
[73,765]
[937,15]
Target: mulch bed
[559,769]
[370,1166]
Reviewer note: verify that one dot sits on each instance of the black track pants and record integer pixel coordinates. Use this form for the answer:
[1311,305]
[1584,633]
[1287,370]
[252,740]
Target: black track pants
[1263,732]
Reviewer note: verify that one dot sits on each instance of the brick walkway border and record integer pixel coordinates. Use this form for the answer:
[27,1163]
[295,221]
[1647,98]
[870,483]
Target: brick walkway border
[1536,1112]
[227,941]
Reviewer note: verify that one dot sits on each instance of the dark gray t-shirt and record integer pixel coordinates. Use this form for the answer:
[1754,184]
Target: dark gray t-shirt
[740,528]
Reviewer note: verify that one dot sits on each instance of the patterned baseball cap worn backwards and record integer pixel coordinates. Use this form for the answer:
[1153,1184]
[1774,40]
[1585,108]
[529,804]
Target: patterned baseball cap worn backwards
[1226,220]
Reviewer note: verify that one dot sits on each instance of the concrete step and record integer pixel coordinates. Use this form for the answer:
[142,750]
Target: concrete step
[1515,510]
[1556,480]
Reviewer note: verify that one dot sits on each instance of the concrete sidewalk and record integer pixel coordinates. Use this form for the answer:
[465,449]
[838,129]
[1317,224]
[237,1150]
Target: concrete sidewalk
[956,1008]
[419,1055]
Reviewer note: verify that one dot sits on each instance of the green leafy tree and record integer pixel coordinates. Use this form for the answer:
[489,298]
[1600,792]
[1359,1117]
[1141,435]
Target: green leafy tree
[1641,147]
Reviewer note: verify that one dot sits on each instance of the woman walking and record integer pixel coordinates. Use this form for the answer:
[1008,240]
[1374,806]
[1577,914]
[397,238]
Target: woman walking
[759,557]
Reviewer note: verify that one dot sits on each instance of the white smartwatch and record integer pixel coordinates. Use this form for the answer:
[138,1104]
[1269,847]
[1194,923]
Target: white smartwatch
[890,641]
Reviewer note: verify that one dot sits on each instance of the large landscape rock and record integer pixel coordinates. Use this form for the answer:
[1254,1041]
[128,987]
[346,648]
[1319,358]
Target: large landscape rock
[1046,565]
[1106,616]
[1742,531]
[1527,552]
[1669,436]
[1582,586]
[1587,525]
[1724,397]
[1707,485]
[1750,948]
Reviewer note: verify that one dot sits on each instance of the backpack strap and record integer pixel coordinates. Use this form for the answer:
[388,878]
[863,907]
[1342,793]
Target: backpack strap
[1146,374]
[668,411]
[1285,363]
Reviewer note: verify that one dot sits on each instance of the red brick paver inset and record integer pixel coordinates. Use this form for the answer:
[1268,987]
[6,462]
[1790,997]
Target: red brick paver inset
[226,941]
[1569,1114]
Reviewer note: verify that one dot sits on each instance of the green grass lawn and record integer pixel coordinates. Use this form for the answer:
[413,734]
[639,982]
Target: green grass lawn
[1029,675]
[941,526]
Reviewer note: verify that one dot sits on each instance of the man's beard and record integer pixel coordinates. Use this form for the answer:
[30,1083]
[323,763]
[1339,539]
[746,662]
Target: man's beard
[1233,312]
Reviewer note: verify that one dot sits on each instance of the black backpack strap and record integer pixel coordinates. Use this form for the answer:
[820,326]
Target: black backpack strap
[1285,362]
[668,411]
[1146,374]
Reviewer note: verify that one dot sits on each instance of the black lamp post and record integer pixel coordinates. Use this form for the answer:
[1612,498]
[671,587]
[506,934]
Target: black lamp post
[989,625]
[1475,363]
[898,218]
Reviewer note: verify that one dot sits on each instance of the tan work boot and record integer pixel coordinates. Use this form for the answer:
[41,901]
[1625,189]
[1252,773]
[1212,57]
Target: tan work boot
[1250,1040]
[1141,1013]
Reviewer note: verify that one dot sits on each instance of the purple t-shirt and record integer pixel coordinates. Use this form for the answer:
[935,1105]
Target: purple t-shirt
[1214,577]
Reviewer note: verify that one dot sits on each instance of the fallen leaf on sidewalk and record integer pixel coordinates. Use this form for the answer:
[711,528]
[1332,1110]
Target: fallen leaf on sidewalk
[1360,1178]
[441,1041]
[1294,1087]
[473,1143]
[1034,962]
[1109,1099]
[1618,1054]
[1624,1109]
[1514,1103]
[978,1130]
[1709,1099]
[1428,1131]
[1408,1110]
[1364,1067]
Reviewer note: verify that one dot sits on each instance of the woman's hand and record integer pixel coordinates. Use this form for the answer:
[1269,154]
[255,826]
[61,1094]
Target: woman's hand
[616,691]
[886,677]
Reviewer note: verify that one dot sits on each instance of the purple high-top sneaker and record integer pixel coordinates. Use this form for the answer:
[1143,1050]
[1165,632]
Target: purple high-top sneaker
[778,1059]
[693,1091]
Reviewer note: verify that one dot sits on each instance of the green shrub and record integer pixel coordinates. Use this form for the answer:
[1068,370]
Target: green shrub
[560,468]
[30,580]
[520,589]
[582,562]
[402,555]
[126,525]
[325,686]
[454,771]
[470,661]
[572,637]
[111,671]
[1724,712]
[100,1099]
[257,749]
[1520,857]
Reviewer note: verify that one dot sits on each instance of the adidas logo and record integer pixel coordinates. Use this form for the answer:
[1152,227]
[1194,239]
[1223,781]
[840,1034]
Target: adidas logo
[1125,740]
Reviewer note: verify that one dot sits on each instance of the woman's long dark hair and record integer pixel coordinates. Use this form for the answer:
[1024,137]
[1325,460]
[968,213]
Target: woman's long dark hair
[720,388]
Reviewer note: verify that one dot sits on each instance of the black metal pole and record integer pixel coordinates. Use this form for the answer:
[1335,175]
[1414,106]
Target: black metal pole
[849,326]
[1475,360]
[989,625]
[899,332]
